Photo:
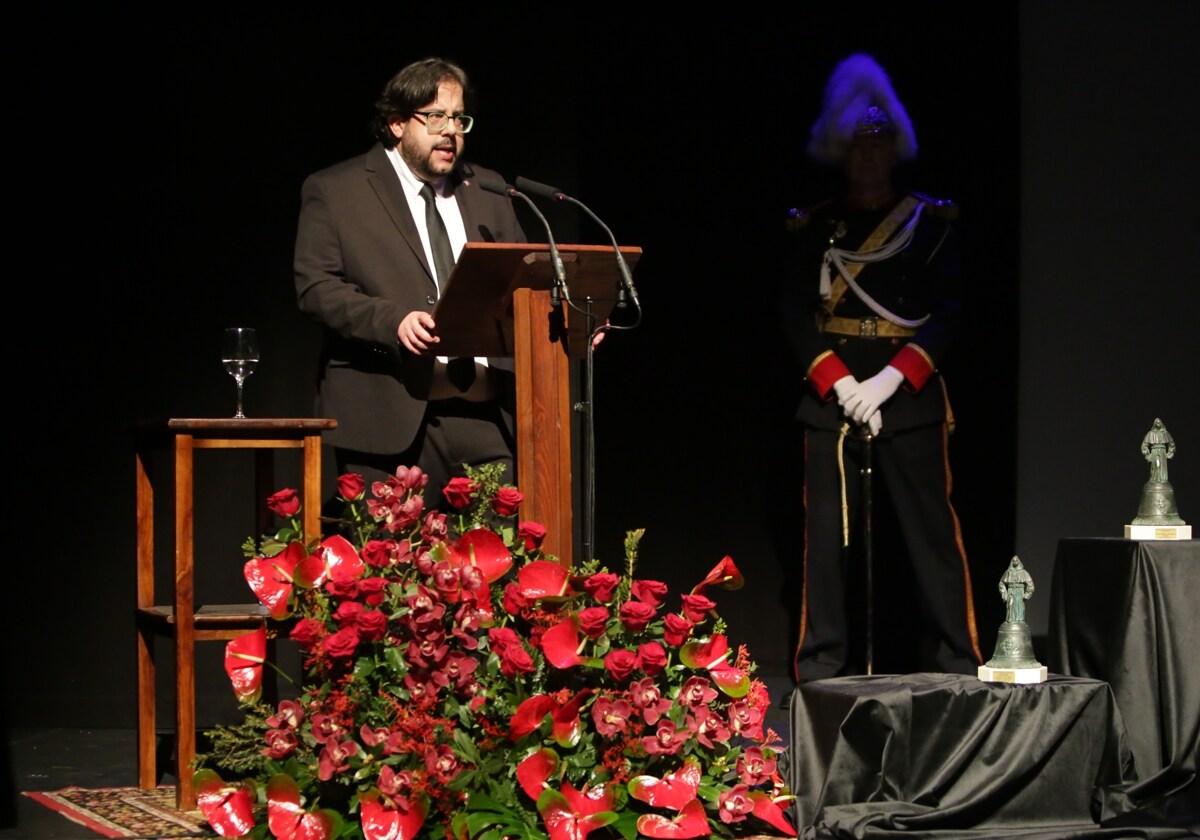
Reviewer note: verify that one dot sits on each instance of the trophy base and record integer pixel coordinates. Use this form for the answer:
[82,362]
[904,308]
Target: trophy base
[1013,675]
[1158,532]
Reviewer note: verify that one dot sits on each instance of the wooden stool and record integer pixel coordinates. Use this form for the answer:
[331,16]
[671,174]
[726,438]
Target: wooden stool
[182,621]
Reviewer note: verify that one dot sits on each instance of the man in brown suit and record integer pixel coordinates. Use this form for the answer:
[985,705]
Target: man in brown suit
[371,261]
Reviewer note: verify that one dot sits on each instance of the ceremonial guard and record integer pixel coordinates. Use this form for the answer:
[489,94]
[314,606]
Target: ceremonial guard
[870,303]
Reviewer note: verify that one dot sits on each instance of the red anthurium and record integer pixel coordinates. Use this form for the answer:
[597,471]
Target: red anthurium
[341,559]
[572,815]
[270,579]
[691,821]
[229,809]
[286,817]
[483,549]
[535,769]
[732,681]
[529,715]
[725,575]
[543,579]
[674,791]
[567,726]
[561,643]
[766,808]
[381,823]
[713,655]
[704,653]
[244,658]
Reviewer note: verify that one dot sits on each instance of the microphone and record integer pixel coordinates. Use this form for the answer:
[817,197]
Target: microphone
[492,183]
[555,194]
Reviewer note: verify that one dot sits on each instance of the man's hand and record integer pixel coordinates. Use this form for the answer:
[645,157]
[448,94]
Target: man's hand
[872,393]
[415,331]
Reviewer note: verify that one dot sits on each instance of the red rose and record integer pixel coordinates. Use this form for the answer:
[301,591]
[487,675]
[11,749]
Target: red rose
[676,629]
[601,586]
[341,644]
[307,632]
[379,553]
[532,533]
[514,601]
[347,613]
[652,658]
[372,624]
[593,621]
[371,590]
[635,615]
[650,591]
[285,503]
[696,607]
[507,500]
[351,486]
[459,491]
[514,659]
[620,663]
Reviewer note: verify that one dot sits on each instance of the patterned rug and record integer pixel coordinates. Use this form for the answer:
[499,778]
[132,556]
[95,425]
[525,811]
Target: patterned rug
[125,812]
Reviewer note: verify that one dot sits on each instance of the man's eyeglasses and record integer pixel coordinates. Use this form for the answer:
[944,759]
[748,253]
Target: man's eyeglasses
[436,121]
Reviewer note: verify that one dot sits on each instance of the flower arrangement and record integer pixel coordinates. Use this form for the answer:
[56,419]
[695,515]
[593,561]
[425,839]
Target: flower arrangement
[461,683]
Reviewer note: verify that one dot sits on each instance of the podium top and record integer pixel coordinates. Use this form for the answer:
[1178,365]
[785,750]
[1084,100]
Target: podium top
[474,314]
[186,425]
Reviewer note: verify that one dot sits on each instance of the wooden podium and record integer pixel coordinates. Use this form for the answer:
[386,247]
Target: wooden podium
[498,302]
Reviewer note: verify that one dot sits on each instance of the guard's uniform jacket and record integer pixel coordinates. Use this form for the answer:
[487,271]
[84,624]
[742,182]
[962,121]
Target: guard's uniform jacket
[843,335]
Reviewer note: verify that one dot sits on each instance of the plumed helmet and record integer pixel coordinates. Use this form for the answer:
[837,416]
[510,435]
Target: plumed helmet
[859,99]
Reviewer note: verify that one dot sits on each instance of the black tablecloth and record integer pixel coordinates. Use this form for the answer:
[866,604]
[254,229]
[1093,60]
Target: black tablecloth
[945,755]
[1128,612]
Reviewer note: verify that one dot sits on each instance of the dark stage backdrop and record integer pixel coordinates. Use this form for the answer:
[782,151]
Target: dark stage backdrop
[177,153]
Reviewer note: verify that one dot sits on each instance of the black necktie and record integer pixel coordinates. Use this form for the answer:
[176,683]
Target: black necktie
[439,240]
[460,371]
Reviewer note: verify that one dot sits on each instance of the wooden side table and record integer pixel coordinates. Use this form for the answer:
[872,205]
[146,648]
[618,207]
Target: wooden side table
[182,620]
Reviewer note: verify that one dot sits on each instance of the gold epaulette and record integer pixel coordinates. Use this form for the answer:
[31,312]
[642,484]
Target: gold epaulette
[942,208]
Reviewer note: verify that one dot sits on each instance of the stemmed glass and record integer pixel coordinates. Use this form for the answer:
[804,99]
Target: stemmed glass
[239,354]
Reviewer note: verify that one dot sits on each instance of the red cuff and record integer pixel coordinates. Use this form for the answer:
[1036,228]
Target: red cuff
[915,364]
[825,370]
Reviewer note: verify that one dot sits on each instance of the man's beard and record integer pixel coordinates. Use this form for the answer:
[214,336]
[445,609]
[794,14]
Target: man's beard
[420,161]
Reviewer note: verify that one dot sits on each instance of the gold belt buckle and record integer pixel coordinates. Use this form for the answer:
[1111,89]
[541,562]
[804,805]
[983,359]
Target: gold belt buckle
[868,327]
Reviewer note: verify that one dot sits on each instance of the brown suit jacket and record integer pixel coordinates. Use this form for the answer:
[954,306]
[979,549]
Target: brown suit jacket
[359,269]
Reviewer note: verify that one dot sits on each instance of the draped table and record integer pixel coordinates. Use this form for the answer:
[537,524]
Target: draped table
[1128,612]
[946,755]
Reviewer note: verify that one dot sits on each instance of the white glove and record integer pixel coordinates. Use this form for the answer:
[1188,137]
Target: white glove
[875,423]
[845,388]
[872,393]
